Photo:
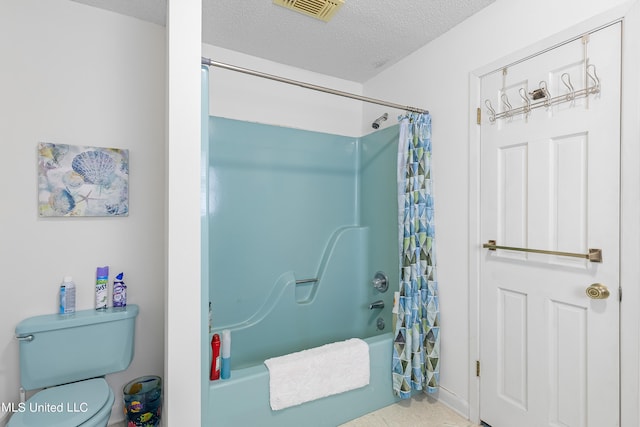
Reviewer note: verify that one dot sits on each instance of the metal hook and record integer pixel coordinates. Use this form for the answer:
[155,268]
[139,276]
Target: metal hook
[507,105]
[492,112]
[594,77]
[567,82]
[525,98]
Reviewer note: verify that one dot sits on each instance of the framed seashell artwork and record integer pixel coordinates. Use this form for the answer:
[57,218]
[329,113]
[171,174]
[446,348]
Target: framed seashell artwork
[82,181]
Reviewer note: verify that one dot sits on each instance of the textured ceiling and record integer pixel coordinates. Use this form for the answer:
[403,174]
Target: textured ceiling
[364,37]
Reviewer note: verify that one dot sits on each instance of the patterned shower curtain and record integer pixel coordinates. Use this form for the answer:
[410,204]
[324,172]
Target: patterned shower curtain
[416,317]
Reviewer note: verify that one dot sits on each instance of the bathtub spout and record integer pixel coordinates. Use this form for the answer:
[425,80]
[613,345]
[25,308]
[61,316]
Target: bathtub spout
[376,304]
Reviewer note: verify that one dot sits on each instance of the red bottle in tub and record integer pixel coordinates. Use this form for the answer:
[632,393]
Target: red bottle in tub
[215,359]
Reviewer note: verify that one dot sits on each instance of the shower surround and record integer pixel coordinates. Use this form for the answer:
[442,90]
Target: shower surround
[299,223]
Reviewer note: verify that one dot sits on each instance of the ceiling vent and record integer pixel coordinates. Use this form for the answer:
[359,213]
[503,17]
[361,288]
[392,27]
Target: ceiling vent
[320,9]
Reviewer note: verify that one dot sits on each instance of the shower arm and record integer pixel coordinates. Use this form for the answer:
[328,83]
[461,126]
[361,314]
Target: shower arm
[212,63]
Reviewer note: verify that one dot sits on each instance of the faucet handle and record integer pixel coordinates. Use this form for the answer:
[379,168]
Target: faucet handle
[376,304]
[380,281]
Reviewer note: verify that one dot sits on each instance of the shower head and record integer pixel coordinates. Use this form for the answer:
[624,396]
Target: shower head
[376,122]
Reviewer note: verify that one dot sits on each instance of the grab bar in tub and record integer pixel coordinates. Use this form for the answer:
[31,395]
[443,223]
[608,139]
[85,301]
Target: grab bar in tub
[306,281]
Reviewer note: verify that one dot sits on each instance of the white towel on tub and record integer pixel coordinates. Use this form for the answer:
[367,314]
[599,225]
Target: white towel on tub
[318,372]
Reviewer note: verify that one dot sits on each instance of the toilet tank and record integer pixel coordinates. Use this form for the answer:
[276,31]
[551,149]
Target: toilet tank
[57,349]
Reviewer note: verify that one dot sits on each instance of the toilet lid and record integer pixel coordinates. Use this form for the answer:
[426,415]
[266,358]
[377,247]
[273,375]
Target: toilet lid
[63,406]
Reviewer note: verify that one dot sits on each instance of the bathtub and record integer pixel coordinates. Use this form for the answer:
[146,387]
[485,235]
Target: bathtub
[297,316]
[243,400]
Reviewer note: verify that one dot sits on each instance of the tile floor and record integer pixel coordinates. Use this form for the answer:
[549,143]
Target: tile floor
[419,411]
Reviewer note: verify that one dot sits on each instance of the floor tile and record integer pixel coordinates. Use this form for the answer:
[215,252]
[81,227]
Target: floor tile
[419,411]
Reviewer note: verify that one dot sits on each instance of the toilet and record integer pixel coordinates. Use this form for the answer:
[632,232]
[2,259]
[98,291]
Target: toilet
[67,356]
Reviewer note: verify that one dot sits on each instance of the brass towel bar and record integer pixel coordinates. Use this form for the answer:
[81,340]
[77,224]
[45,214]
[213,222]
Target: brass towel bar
[594,255]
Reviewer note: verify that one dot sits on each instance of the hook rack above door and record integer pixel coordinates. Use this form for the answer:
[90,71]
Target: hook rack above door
[541,97]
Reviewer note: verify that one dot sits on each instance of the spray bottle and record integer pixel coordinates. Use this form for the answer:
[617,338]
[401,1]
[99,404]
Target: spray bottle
[102,280]
[67,296]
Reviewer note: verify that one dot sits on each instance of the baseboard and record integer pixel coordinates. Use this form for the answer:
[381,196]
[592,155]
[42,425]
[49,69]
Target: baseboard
[453,401]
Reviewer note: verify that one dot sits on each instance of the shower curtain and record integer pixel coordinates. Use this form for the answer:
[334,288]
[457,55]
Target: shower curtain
[416,317]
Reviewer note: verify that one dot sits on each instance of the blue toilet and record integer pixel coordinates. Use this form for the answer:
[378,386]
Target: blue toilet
[68,357]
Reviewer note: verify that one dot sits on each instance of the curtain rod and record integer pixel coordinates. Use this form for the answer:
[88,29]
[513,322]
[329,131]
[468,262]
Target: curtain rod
[212,63]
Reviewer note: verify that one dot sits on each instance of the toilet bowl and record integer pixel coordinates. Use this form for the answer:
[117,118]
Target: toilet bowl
[68,355]
[85,403]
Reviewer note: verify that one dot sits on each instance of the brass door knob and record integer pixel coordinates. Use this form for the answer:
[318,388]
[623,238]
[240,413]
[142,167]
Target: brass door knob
[598,291]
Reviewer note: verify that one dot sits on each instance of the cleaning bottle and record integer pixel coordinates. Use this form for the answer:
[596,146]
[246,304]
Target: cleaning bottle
[102,280]
[119,292]
[67,296]
[225,366]
[215,358]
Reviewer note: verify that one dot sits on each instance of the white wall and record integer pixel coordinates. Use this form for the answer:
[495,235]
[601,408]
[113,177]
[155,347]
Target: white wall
[73,74]
[437,77]
[239,96]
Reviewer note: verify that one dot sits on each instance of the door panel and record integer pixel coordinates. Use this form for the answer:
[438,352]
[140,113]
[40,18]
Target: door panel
[567,365]
[512,347]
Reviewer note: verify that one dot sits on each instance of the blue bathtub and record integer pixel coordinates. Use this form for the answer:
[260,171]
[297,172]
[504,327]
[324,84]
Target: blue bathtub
[243,400]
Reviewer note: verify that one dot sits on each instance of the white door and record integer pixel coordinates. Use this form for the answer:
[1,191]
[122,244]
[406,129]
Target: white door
[550,180]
